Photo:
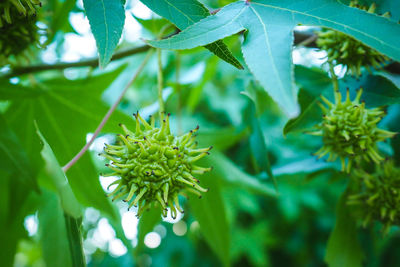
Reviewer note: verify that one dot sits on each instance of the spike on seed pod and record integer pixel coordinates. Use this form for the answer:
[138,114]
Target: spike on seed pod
[349,131]
[343,49]
[155,166]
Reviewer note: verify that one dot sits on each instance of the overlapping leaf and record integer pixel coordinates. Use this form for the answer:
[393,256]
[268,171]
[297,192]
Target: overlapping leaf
[267,43]
[185,13]
[343,248]
[65,112]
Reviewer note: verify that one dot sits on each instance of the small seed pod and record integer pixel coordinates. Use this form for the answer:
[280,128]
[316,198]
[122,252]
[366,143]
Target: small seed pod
[18,30]
[347,51]
[349,131]
[378,195]
[153,166]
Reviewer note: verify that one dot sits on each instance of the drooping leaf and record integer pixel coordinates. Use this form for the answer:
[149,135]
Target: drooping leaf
[147,222]
[66,111]
[343,248]
[313,82]
[185,13]
[267,43]
[54,172]
[210,212]
[227,171]
[257,141]
[106,18]
[68,219]
[52,231]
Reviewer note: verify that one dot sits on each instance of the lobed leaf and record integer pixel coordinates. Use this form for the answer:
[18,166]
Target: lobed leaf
[267,43]
[185,13]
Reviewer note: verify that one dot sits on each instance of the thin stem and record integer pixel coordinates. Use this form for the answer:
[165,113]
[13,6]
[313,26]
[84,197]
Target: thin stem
[178,91]
[108,114]
[160,78]
[334,78]
[160,82]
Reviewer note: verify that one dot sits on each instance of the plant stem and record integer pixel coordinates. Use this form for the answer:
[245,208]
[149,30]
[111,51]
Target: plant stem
[160,83]
[108,114]
[334,78]
[178,91]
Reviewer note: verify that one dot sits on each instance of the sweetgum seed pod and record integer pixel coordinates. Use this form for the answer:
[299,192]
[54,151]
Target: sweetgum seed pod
[18,30]
[154,166]
[349,131]
[377,195]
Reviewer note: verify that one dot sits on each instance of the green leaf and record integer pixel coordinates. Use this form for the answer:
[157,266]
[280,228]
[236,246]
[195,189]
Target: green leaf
[52,231]
[343,248]
[13,157]
[75,240]
[267,43]
[106,18]
[60,18]
[13,209]
[147,222]
[257,141]
[185,13]
[15,91]
[210,212]
[54,172]
[259,149]
[221,138]
[378,90]
[66,111]
[229,172]
[313,82]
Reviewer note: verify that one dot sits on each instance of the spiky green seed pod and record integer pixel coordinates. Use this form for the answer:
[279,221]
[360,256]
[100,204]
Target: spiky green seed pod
[18,28]
[347,51]
[154,166]
[378,195]
[349,131]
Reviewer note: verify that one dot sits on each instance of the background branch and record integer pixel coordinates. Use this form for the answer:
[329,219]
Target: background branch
[306,39]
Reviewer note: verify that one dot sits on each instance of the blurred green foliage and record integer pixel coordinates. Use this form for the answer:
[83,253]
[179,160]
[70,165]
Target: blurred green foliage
[271,201]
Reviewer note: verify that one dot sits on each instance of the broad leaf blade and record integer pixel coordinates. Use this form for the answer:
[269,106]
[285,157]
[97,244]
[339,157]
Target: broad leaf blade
[210,212]
[343,248]
[52,231]
[65,113]
[313,82]
[147,222]
[327,13]
[185,13]
[58,178]
[229,172]
[107,18]
[265,20]
[265,50]
[13,158]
